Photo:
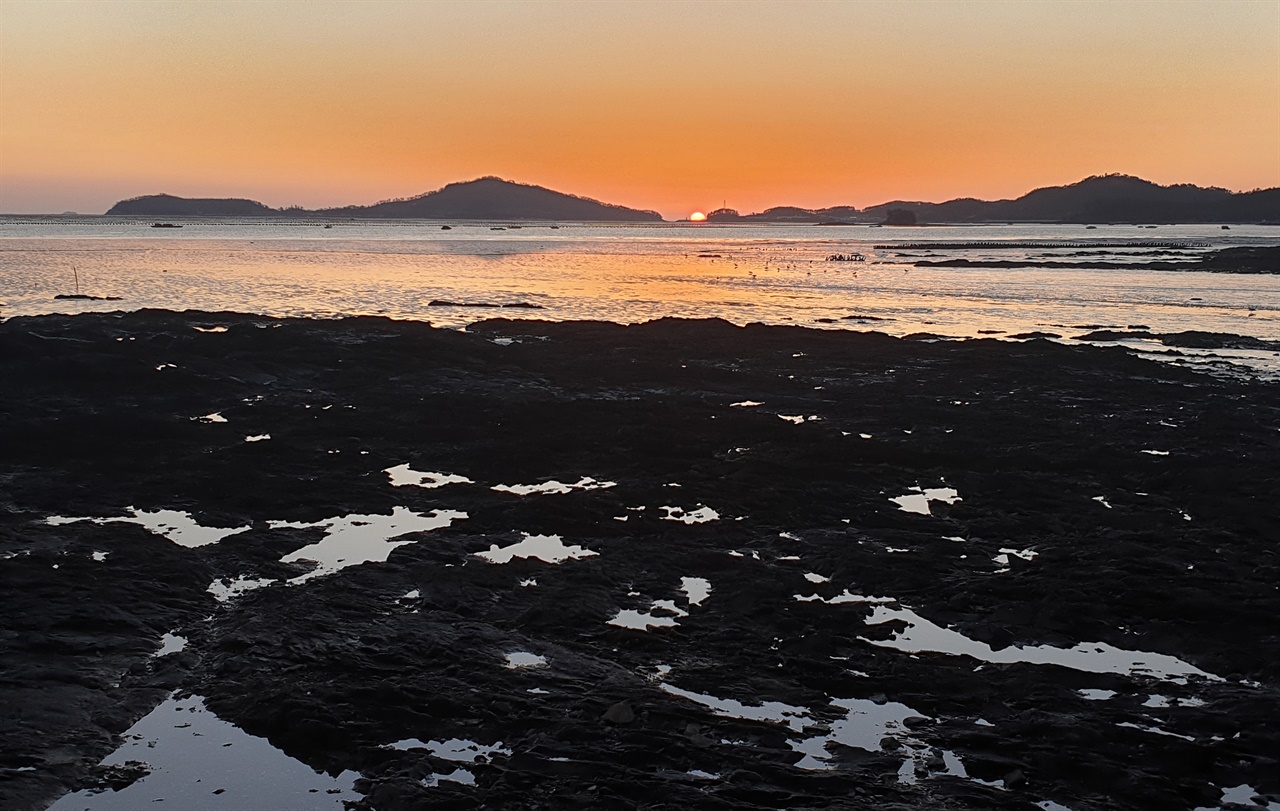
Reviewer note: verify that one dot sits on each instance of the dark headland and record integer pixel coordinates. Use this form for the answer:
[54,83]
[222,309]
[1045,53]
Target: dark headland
[488,198]
[1099,498]
[1099,199]
[1103,199]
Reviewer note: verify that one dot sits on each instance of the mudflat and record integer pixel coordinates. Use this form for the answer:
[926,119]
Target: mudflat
[675,565]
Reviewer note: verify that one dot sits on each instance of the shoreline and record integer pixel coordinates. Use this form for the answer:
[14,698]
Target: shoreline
[1099,498]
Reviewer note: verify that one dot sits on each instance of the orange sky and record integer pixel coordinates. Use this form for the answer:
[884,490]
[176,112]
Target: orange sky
[674,106]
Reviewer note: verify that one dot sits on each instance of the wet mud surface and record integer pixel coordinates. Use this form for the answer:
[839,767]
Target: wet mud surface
[848,551]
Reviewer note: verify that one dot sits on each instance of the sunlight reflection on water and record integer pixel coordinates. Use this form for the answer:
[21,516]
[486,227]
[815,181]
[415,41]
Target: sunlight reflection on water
[628,274]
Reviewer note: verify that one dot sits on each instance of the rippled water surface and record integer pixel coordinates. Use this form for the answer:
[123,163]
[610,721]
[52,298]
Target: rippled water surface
[629,273]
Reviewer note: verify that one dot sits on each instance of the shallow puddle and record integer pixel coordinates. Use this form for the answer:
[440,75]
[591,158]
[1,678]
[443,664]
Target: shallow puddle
[199,762]
[1243,795]
[354,539]
[917,499]
[457,750]
[553,487]
[228,589]
[639,620]
[170,643]
[177,526]
[547,548]
[405,476]
[519,659]
[922,636]
[699,516]
[696,589]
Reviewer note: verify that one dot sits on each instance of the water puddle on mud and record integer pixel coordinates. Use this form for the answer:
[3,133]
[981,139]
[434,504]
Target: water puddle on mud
[696,589]
[198,762]
[177,526]
[456,750]
[547,548]
[170,643]
[922,636]
[228,589]
[699,516]
[842,598]
[864,725]
[553,487]
[640,620]
[917,499]
[746,404]
[405,476]
[519,659]
[214,417]
[354,539]
[1243,796]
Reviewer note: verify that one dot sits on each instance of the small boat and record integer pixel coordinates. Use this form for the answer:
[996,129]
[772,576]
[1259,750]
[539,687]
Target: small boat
[164,225]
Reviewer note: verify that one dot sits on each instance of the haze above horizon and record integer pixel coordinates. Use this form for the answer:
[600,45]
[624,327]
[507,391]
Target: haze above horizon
[657,105]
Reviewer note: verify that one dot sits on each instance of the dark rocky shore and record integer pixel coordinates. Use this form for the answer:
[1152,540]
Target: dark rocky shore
[1227,260]
[1147,493]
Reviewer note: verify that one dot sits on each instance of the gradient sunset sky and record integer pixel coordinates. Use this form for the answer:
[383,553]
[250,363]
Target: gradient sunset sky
[675,106]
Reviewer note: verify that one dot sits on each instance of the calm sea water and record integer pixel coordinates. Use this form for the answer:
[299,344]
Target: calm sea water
[776,274]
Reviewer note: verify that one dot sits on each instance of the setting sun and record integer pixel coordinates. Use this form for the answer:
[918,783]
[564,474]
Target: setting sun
[697,216]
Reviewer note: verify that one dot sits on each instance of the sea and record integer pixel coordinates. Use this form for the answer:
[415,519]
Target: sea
[452,274]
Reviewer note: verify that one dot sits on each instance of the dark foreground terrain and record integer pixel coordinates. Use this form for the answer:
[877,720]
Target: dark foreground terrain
[1149,495]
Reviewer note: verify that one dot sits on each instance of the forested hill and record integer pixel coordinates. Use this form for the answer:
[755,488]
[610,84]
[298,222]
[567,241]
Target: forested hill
[488,198]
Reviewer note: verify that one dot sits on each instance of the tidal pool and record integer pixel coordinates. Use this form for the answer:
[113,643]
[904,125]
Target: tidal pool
[175,525]
[547,548]
[198,762]
[354,539]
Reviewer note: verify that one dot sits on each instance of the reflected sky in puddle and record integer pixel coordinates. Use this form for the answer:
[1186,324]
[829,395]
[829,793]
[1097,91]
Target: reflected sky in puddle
[696,589]
[923,636]
[917,499]
[519,659]
[842,598]
[1243,795]
[354,539]
[699,516]
[192,754]
[640,620]
[456,750]
[177,526]
[405,476]
[170,643]
[228,589]
[864,725]
[547,548]
[553,487]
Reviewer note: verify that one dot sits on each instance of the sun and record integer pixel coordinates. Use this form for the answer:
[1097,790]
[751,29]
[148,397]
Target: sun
[697,216]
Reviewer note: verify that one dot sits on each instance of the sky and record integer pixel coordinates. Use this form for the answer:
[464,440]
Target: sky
[673,106]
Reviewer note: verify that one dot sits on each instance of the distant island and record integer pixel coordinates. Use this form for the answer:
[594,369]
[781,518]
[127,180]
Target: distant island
[1099,199]
[487,198]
